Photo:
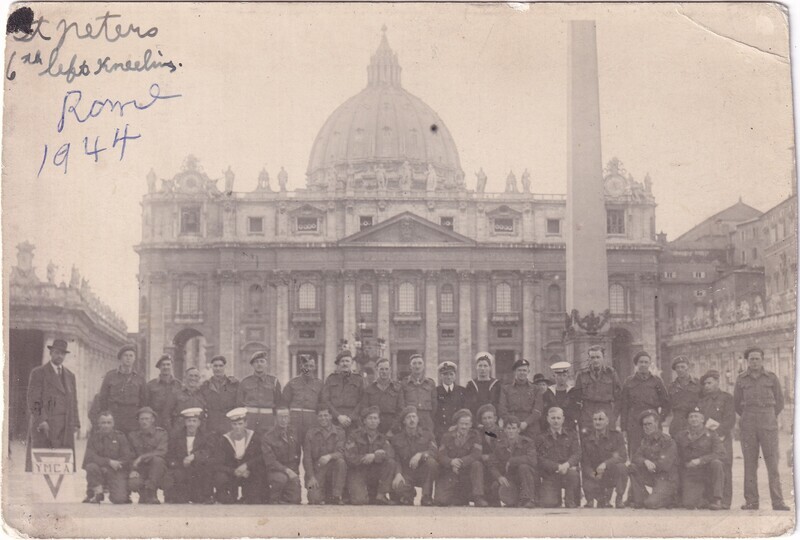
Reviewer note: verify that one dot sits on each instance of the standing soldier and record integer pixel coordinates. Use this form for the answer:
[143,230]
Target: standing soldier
[415,453]
[513,465]
[562,395]
[259,393]
[106,461]
[603,458]
[484,388]
[684,393]
[123,391]
[219,392]
[189,454]
[239,463]
[281,451]
[598,387]
[161,392]
[370,461]
[700,454]
[323,460]
[717,407]
[559,454]
[654,464]
[189,396]
[460,468]
[53,404]
[342,392]
[522,399]
[450,398]
[149,467]
[641,391]
[758,400]
[385,394]
[420,391]
[301,395]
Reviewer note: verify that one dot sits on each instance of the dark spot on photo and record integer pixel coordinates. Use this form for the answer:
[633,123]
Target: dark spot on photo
[20,21]
[434,128]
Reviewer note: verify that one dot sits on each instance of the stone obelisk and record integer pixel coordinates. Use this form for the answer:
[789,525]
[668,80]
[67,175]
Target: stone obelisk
[587,265]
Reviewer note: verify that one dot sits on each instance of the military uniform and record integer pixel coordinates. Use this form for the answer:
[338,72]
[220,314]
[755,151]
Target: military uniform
[368,481]
[683,396]
[259,394]
[389,401]
[123,394]
[226,483]
[190,483]
[480,393]
[302,395]
[281,450]
[662,451]
[517,462]
[705,481]
[100,449]
[489,442]
[331,476]
[456,488]
[447,404]
[597,390]
[641,393]
[420,393]
[525,401]
[604,447]
[151,446]
[553,449]
[406,445]
[220,397]
[188,399]
[341,394]
[719,406]
[567,401]
[758,400]
[161,398]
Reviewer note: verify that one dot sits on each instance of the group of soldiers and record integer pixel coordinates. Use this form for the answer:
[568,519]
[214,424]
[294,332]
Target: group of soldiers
[528,443]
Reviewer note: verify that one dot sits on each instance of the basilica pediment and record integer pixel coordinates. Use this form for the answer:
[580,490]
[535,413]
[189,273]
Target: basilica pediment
[407,228]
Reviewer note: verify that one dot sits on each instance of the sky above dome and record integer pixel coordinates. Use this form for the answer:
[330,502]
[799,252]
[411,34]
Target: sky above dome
[698,96]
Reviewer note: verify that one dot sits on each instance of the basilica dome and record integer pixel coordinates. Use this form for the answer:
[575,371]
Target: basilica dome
[383,126]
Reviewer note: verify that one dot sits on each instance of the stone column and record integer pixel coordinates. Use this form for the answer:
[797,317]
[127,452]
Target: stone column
[331,326]
[648,284]
[384,311]
[528,322]
[465,355]
[482,312]
[431,319]
[226,339]
[157,300]
[349,307]
[538,305]
[282,341]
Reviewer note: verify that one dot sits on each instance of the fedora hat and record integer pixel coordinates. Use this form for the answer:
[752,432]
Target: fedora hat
[59,345]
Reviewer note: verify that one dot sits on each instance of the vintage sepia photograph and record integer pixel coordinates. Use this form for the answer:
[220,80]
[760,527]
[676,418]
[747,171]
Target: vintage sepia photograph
[398,269]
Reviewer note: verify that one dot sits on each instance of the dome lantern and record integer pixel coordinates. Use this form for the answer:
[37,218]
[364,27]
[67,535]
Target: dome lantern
[384,69]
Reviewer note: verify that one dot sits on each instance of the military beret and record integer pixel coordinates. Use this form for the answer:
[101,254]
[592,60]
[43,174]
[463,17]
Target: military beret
[219,357]
[560,367]
[711,373]
[459,414]
[145,410]
[447,366]
[695,409]
[483,409]
[646,413]
[192,412]
[406,411]
[370,410]
[258,354]
[344,354]
[126,348]
[237,414]
[519,363]
[539,377]
[679,360]
[164,357]
[511,419]
[487,356]
[640,354]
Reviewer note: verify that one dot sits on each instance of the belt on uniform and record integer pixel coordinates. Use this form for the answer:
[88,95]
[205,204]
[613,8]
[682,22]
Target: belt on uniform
[303,410]
[258,410]
[758,408]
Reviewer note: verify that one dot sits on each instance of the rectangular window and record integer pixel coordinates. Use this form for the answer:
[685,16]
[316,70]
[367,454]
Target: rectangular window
[615,222]
[190,220]
[446,222]
[755,253]
[307,334]
[700,293]
[446,300]
[671,274]
[744,257]
[448,333]
[255,225]
[365,301]
[504,225]
[505,333]
[367,333]
[698,275]
[365,222]
[670,311]
[307,224]
[554,226]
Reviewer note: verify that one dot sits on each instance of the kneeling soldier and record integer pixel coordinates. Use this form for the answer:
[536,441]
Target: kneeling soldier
[189,456]
[460,467]
[653,464]
[603,459]
[149,468]
[323,460]
[701,454]
[513,465]
[281,451]
[239,463]
[370,461]
[415,453]
[559,453]
[107,457]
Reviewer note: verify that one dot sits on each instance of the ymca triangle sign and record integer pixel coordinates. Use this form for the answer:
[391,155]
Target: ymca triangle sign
[53,464]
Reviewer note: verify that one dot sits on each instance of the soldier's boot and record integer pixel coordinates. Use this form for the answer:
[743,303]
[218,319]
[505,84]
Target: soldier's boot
[149,497]
[589,503]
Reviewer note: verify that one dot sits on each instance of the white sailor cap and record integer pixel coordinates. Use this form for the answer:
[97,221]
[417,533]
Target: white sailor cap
[560,367]
[192,412]
[447,366]
[237,414]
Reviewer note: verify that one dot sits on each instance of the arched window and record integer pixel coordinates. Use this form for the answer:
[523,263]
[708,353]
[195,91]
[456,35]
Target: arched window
[554,298]
[365,298]
[307,296]
[446,299]
[255,298]
[190,299]
[406,297]
[502,298]
[616,298]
